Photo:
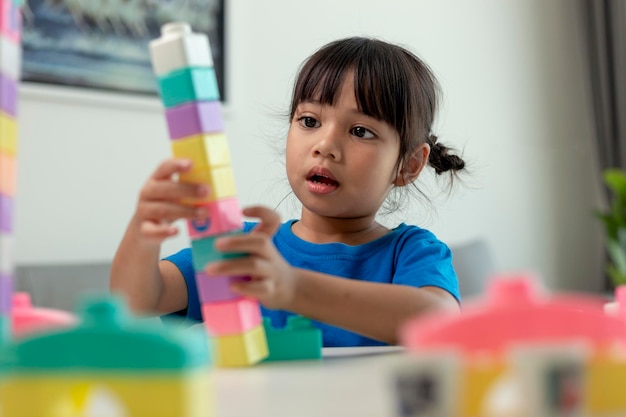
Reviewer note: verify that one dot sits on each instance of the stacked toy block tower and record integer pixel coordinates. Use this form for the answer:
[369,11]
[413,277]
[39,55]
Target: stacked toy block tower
[183,64]
[10,70]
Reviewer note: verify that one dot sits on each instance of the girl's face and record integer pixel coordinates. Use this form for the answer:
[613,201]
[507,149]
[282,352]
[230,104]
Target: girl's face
[340,162]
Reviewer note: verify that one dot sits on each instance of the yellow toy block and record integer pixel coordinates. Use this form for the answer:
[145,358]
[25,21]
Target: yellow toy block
[220,180]
[205,151]
[8,134]
[607,378]
[7,174]
[243,349]
[139,394]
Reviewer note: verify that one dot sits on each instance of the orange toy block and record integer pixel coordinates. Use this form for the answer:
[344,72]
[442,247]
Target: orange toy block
[221,182]
[7,174]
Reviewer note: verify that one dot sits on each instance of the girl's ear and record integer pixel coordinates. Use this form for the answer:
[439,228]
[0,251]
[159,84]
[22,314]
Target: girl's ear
[412,167]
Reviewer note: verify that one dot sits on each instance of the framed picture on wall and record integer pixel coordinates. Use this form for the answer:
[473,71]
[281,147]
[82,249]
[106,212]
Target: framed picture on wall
[103,44]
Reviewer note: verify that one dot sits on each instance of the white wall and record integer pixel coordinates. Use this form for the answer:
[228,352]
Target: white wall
[515,102]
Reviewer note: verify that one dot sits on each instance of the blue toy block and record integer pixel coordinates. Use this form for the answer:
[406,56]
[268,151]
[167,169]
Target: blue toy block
[298,340]
[188,84]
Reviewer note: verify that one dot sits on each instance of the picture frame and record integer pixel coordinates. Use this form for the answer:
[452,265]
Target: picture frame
[102,45]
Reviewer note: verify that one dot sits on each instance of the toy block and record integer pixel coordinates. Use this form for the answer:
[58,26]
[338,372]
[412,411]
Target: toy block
[224,216]
[11,21]
[5,333]
[8,134]
[27,319]
[214,289]
[231,317]
[194,118]
[298,340]
[8,95]
[221,182]
[104,323]
[7,257]
[6,291]
[242,349]
[11,62]
[6,214]
[8,172]
[178,47]
[188,84]
[71,393]
[203,251]
[204,151]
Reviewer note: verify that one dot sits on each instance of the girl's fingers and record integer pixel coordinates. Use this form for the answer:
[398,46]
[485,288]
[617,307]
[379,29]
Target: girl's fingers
[170,167]
[269,219]
[172,191]
[161,211]
[157,232]
[251,243]
[254,289]
[244,266]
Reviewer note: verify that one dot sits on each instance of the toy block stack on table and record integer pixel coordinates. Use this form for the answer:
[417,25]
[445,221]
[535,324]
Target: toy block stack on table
[183,64]
[10,71]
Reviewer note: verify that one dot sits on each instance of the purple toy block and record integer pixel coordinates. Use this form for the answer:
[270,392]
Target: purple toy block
[6,214]
[6,293]
[194,118]
[212,289]
[8,95]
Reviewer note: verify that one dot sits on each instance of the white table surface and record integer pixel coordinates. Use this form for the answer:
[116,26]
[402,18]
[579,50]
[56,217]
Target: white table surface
[345,382]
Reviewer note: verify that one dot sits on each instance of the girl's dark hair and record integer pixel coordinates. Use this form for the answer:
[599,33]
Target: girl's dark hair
[390,84]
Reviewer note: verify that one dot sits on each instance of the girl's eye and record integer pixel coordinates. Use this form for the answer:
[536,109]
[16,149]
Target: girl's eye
[362,132]
[309,122]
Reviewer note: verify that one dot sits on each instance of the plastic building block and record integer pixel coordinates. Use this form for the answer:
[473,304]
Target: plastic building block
[8,134]
[11,21]
[27,319]
[204,151]
[224,217]
[515,311]
[7,257]
[194,118]
[298,340]
[106,324]
[178,48]
[214,289]
[231,317]
[8,173]
[189,84]
[203,251]
[8,95]
[11,62]
[6,291]
[242,349]
[220,180]
[6,213]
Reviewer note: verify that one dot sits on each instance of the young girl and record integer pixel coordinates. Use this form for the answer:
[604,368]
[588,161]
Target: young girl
[360,126]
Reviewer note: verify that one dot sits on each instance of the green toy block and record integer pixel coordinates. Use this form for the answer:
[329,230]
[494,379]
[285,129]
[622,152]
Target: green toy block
[299,339]
[203,251]
[109,340]
[188,84]
[5,329]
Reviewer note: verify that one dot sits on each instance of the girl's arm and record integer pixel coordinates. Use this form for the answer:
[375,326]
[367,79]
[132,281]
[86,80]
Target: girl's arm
[372,309]
[151,286]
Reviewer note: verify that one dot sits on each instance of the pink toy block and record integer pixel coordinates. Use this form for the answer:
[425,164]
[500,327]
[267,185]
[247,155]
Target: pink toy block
[515,311]
[27,319]
[194,118]
[224,216]
[6,214]
[8,95]
[215,289]
[8,172]
[11,21]
[6,292]
[231,317]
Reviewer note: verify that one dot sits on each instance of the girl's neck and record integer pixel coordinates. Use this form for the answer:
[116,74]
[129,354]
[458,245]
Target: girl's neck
[357,231]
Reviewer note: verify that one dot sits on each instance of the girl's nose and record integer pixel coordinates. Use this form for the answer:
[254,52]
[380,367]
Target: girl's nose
[328,146]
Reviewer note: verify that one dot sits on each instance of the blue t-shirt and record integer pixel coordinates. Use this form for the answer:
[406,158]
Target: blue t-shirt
[407,255]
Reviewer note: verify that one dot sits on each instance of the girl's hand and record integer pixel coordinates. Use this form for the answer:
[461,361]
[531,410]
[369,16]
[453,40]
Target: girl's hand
[160,204]
[273,280]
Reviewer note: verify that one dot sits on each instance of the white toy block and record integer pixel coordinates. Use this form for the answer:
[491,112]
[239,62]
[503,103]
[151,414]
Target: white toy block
[10,58]
[179,48]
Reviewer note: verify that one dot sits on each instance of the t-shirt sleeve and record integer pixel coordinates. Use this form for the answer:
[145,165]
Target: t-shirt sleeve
[182,260]
[423,260]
